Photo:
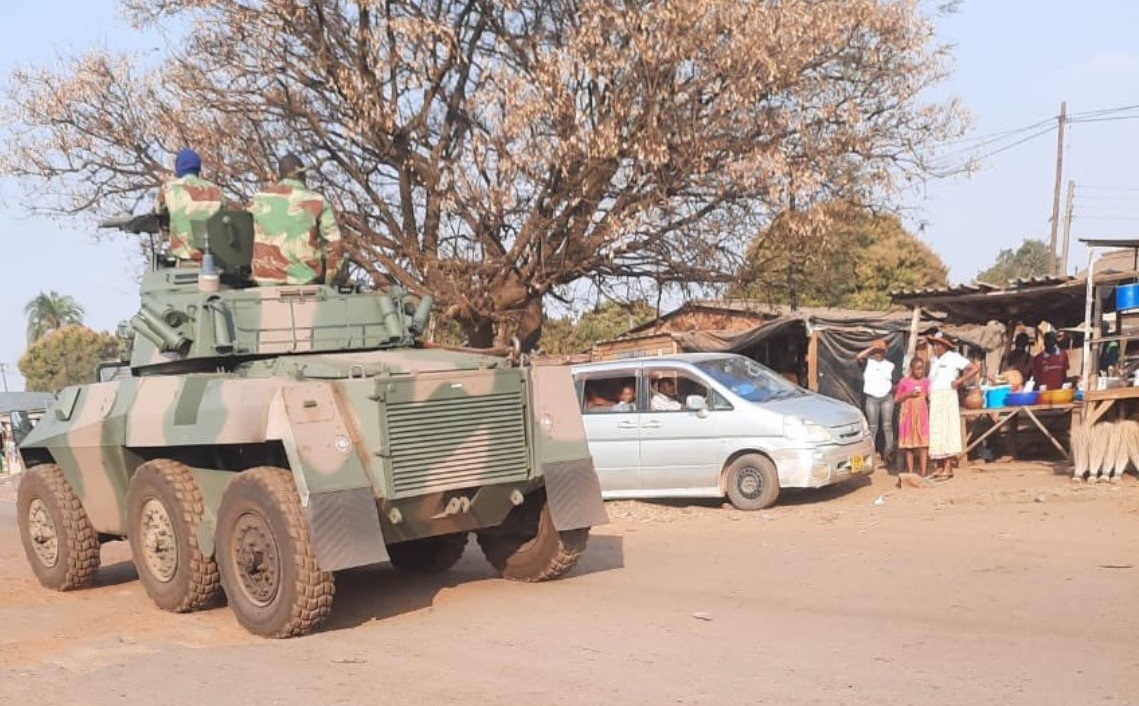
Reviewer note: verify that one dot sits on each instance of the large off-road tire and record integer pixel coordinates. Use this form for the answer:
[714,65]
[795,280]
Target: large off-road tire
[527,546]
[430,555]
[752,482]
[265,555]
[164,509]
[61,545]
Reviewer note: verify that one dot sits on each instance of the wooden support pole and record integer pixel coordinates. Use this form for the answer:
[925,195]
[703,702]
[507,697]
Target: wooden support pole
[1090,329]
[1055,261]
[1067,228]
[813,360]
[1047,434]
[1001,421]
[912,343]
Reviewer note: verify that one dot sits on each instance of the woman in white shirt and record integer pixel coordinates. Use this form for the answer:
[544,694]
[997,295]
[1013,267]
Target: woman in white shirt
[948,370]
[877,384]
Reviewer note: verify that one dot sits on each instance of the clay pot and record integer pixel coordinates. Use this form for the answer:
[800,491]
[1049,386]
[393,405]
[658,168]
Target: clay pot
[974,398]
[1014,379]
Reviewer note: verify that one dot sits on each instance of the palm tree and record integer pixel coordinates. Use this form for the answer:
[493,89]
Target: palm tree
[51,311]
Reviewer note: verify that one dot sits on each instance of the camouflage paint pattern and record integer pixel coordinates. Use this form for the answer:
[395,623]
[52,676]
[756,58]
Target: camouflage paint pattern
[190,201]
[296,239]
[330,386]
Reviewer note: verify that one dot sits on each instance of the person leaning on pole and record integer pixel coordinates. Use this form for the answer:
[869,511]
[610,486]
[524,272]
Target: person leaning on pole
[877,387]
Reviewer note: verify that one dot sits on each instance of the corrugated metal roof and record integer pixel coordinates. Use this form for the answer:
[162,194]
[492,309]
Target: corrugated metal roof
[977,287]
[19,401]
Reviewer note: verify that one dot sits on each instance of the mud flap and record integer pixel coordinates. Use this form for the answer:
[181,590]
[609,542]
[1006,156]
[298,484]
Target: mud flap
[345,529]
[573,493]
[573,490]
[332,481]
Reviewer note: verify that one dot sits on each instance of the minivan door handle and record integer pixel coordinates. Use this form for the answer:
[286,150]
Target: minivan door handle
[651,425]
[627,425]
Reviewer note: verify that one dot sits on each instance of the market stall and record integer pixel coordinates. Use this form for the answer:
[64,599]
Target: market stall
[1043,302]
[1105,441]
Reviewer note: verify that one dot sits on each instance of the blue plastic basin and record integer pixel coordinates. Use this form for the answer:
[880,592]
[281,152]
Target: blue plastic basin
[1127,297]
[995,396]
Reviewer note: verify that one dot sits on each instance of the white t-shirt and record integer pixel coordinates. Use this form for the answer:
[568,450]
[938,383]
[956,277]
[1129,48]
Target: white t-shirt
[943,370]
[663,403]
[878,379]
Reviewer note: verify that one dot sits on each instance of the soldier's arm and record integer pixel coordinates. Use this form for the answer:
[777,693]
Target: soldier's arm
[333,245]
[160,202]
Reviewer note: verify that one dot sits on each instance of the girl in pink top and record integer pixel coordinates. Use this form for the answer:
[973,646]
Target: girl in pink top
[912,393]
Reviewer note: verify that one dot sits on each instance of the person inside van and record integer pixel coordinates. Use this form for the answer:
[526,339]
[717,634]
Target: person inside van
[627,401]
[664,397]
[594,397]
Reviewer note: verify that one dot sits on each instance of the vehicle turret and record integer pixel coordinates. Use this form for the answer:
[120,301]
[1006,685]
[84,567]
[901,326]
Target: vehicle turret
[210,315]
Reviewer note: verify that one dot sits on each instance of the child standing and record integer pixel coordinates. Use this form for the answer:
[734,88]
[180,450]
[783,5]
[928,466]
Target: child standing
[912,394]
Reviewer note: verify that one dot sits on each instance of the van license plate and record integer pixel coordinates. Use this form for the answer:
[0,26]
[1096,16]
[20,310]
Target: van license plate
[856,463]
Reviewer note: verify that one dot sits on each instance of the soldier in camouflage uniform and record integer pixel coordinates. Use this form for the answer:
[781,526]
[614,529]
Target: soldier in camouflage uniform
[189,200]
[296,239]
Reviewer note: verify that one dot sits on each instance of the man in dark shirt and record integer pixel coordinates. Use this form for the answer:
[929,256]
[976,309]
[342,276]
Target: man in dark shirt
[1050,368]
[1019,359]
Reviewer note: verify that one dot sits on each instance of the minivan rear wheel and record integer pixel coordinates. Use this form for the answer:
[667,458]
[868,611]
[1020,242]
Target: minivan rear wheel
[752,482]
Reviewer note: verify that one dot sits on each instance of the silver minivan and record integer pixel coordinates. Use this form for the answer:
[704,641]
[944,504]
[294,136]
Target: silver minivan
[714,424]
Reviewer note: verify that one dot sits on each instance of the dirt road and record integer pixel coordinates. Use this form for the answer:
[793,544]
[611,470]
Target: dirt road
[998,587]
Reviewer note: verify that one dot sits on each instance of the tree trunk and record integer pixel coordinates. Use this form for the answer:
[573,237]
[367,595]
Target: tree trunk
[529,328]
[480,334]
[526,325]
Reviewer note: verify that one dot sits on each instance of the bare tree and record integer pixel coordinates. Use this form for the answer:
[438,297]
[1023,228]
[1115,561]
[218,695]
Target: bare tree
[493,153]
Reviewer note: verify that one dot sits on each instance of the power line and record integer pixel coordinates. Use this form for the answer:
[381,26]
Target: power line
[997,136]
[1105,111]
[991,153]
[1105,120]
[1021,141]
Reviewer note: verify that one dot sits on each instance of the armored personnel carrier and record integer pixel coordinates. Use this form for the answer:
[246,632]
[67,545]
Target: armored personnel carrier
[254,440]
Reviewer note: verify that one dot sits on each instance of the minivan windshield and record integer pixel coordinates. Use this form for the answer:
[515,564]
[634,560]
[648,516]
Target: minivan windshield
[748,379]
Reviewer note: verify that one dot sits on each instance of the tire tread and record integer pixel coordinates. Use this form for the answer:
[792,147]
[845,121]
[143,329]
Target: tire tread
[76,536]
[205,580]
[314,588]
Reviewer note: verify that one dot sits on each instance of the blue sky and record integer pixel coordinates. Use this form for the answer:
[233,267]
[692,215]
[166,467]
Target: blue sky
[1015,60]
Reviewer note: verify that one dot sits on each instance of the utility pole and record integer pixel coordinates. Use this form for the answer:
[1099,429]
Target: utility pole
[1067,227]
[1059,177]
[4,375]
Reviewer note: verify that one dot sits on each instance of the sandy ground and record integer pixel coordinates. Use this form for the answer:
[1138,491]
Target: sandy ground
[1007,586]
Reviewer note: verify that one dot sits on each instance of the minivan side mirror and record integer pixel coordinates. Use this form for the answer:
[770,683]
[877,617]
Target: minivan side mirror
[697,403]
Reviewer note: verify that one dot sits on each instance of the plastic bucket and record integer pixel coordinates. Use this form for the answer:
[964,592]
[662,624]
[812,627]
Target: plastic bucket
[1127,297]
[995,396]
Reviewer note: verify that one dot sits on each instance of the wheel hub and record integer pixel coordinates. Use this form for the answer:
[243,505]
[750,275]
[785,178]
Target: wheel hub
[257,558]
[41,527]
[159,543]
[750,484]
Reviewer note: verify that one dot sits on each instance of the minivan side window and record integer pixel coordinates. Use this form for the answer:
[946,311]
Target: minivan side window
[670,388]
[607,393]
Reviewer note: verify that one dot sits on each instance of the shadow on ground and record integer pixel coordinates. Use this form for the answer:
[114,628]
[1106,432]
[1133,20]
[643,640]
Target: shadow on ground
[380,591]
[787,496]
[116,574]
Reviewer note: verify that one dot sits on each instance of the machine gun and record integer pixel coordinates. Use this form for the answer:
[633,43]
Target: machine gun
[150,223]
[227,235]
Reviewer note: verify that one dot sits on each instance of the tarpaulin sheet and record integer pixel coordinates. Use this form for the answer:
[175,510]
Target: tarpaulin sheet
[841,337]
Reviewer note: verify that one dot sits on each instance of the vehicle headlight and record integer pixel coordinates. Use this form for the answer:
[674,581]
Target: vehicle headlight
[865,425]
[799,429]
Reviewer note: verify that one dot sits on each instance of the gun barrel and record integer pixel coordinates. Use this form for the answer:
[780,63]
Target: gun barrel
[142,223]
[118,222]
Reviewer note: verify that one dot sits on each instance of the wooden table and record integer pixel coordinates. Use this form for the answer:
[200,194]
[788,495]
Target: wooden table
[1100,401]
[1001,416]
